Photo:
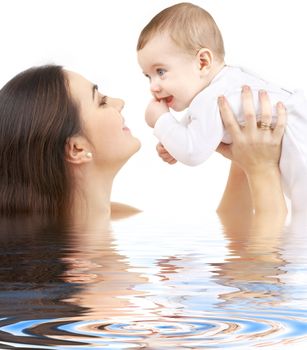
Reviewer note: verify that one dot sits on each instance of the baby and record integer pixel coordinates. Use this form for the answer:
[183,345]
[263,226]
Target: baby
[181,51]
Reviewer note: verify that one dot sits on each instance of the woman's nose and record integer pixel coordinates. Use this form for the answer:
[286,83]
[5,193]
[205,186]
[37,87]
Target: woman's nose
[118,103]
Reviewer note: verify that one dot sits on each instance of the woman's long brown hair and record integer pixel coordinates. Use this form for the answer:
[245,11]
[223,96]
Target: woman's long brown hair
[37,116]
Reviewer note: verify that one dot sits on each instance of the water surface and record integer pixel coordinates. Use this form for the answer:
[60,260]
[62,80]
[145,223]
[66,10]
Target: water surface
[152,282]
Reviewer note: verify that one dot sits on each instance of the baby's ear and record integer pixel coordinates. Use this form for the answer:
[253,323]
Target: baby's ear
[205,58]
[77,150]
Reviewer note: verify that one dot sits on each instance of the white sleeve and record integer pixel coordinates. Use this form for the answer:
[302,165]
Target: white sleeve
[193,139]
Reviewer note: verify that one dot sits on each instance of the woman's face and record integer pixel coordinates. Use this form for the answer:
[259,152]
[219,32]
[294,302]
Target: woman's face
[102,122]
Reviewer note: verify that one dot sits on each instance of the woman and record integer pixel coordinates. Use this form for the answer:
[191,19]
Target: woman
[62,143]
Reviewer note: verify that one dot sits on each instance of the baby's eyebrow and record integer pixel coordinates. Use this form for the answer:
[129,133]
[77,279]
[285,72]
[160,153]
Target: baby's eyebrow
[158,64]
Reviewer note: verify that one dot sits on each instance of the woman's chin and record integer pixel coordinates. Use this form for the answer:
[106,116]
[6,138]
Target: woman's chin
[136,145]
[132,150]
[139,145]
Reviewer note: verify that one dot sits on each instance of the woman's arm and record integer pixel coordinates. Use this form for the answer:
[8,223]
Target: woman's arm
[256,152]
[236,198]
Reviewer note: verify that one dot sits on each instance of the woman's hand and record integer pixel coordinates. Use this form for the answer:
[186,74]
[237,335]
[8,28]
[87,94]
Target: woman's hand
[256,146]
[256,150]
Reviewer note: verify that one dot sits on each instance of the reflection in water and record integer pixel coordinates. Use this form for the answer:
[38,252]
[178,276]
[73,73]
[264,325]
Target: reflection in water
[253,268]
[152,286]
[107,283]
[31,266]
[53,272]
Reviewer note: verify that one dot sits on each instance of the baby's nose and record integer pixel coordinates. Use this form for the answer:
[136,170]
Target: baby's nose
[154,86]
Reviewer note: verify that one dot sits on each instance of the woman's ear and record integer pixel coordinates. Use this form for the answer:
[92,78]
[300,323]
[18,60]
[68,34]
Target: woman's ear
[77,150]
[204,58]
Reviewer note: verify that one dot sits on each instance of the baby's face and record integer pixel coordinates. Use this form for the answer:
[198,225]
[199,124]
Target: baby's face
[174,75]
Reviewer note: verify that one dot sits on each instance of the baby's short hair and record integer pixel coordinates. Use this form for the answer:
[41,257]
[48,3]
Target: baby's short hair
[189,26]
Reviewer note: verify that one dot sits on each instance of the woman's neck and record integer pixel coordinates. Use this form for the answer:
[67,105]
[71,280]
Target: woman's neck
[90,204]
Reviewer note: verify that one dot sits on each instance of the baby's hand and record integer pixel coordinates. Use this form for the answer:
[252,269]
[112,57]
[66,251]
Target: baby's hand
[166,157]
[154,111]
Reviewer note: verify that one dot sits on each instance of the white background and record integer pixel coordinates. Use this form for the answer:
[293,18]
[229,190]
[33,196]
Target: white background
[97,38]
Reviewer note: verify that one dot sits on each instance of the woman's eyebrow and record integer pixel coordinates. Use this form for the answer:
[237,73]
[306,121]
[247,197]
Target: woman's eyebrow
[94,90]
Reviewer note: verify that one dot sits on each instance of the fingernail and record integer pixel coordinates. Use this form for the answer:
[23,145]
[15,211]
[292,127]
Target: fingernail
[281,105]
[221,99]
[262,93]
[245,88]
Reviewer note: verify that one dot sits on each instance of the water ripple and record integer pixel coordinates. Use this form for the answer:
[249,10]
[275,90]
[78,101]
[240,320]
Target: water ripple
[212,331]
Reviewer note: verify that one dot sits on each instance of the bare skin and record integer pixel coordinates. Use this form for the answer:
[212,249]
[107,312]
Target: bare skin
[256,153]
[96,155]
[253,200]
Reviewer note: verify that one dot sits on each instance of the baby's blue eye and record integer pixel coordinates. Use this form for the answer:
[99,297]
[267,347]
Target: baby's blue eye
[161,71]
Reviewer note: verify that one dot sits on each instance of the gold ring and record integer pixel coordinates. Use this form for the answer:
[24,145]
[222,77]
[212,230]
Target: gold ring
[265,126]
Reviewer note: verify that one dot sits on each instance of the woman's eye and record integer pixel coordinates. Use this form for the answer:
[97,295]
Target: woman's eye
[161,71]
[103,101]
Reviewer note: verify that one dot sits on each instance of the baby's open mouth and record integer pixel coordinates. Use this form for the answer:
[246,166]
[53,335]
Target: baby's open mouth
[168,100]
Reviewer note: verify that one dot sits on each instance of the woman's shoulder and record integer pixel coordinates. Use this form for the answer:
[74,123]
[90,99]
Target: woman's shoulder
[121,210]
